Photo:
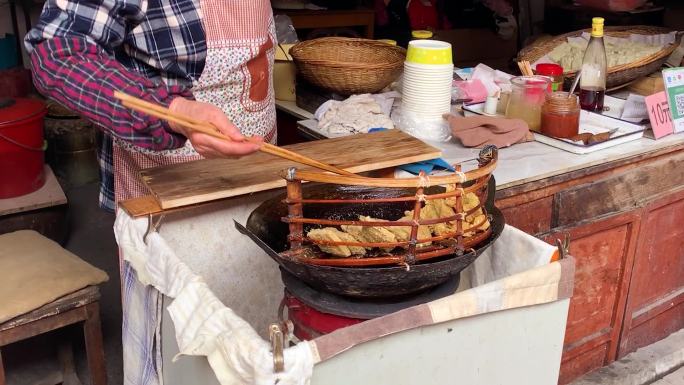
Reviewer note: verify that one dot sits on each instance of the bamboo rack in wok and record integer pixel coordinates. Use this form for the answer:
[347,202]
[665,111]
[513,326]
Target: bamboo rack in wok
[455,242]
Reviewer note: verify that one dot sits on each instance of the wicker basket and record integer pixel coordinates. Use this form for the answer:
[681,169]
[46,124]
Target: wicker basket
[617,75]
[414,249]
[348,66]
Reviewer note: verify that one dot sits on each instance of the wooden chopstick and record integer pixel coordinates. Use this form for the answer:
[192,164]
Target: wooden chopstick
[209,129]
[525,68]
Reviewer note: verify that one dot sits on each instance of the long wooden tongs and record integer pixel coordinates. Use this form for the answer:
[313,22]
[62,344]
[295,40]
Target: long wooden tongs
[209,129]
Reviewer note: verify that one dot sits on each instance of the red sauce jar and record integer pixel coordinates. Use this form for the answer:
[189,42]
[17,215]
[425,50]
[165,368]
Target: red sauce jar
[560,115]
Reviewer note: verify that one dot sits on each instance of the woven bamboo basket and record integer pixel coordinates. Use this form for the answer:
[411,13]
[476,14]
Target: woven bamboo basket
[617,75]
[348,66]
[410,251]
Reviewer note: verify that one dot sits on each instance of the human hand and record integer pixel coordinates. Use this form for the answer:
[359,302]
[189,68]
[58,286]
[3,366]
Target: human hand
[206,145]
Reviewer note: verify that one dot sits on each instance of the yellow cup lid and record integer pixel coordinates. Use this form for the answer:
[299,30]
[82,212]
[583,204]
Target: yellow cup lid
[421,34]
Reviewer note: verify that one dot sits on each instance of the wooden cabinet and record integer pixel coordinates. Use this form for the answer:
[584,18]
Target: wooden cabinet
[655,307]
[625,220]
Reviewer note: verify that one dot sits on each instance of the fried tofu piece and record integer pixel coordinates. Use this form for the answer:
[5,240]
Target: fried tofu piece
[402,233]
[377,234]
[334,235]
[424,232]
[370,234]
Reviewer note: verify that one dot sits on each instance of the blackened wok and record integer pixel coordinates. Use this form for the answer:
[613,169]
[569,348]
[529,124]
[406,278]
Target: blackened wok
[265,227]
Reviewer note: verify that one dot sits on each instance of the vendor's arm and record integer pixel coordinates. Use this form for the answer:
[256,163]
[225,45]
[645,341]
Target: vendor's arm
[72,54]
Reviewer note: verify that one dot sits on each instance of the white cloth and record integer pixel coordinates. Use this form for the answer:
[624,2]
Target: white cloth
[204,326]
[357,114]
[513,252]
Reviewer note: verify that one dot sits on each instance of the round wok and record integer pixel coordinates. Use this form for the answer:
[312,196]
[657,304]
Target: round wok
[362,282]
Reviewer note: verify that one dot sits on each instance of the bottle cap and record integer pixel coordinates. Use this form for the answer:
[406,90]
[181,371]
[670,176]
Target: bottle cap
[421,34]
[549,69]
[597,27]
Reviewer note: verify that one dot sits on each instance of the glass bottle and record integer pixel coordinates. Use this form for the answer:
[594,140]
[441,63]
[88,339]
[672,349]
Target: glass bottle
[594,68]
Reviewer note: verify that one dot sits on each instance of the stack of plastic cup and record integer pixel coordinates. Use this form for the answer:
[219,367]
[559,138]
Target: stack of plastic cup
[428,77]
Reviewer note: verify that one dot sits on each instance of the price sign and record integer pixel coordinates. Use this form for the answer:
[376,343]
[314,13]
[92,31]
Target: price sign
[659,114]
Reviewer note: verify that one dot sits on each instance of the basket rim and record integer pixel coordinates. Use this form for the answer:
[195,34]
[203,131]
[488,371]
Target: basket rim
[351,65]
[530,53]
[297,50]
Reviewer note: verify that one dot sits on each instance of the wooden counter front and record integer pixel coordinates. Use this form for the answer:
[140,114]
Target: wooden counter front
[625,219]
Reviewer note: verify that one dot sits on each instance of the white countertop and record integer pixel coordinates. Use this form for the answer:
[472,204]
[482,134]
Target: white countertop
[292,109]
[527,162]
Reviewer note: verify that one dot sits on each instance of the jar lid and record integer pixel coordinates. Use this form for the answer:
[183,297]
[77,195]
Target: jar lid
[549,69]
[14,110]
[421,34]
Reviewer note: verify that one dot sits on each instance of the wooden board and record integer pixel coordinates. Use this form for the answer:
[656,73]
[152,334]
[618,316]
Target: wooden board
[49,195]
[211,179]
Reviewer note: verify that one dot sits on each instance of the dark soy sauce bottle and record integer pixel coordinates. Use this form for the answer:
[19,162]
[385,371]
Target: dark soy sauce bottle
[594,69]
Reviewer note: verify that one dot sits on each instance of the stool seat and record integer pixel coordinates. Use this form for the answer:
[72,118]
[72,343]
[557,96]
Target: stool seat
[79,298]
[45,288]
[35,271]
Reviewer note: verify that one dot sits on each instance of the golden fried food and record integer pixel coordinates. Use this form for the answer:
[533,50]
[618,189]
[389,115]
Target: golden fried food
[370,234]
[334,235]
[433,209]
[403,233]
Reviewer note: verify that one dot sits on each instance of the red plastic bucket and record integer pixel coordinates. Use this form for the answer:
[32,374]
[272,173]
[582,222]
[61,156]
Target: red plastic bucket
[22,151]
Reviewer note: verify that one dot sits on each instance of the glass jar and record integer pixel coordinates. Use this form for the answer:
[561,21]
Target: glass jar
[528,94]
[560,115]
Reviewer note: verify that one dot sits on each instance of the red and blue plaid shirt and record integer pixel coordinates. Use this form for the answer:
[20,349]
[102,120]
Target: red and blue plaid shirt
[82,51]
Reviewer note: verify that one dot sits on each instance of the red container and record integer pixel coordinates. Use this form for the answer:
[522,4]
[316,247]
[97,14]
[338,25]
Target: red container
[22,154]
[310,323]
[555,72]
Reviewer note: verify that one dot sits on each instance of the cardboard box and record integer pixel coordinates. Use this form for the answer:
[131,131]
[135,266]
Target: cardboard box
[648,85]
[284,73]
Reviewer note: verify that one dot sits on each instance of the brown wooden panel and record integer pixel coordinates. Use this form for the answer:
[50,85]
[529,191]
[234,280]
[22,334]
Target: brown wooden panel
[655,329]
[604,252]
[212,179]
[658,265]
[532,217]
[600,261]
[655,306]
[551,185]
[585,363]
[618,193]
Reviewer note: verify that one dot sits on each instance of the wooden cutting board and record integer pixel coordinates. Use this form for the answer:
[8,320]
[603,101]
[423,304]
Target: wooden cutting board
[211,179]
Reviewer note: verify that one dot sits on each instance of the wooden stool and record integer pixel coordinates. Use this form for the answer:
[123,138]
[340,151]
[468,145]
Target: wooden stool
[80,306]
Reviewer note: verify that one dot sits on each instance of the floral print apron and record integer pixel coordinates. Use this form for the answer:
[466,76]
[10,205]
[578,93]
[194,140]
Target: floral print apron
[237,77]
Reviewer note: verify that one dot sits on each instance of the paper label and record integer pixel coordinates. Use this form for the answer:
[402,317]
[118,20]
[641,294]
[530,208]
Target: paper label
[674,86]
[659,114]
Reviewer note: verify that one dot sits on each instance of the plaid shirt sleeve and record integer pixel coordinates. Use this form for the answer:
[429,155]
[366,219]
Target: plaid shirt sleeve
[72,60]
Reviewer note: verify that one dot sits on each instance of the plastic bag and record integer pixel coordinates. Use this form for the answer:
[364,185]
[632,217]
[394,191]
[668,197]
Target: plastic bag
[285,31]
[435,129]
